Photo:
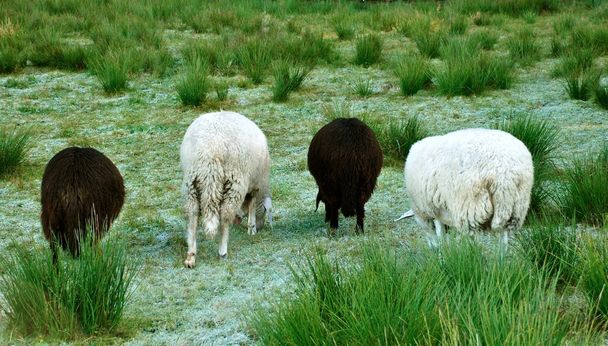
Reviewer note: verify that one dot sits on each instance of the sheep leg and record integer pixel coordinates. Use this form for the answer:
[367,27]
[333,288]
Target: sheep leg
[332,215]
[223,251]
[360,217]
[504,241]
[192,224]
[252,230]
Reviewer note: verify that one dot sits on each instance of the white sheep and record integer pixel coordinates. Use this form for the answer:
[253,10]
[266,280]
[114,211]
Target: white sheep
[469,179]
[226,166]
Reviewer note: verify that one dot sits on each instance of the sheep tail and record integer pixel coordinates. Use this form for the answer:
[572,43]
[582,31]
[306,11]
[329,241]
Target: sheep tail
[503,200]
[350,198]
[203,189]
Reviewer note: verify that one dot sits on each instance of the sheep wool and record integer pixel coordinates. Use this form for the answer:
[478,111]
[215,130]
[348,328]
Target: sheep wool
[472,179]
[226,166]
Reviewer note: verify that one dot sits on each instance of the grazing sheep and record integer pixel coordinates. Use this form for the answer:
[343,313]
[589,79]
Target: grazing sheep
[81,188]
[226,166]
[473,179]
[345,159]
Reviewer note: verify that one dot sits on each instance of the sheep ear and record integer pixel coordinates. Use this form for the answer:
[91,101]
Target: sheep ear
[268,207]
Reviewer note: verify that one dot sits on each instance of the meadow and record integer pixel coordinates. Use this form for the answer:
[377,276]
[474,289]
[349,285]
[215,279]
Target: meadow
[127,78]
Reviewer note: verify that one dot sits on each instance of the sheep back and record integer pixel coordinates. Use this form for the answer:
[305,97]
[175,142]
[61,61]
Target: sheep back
[470,179]
[81,188]
[345,159]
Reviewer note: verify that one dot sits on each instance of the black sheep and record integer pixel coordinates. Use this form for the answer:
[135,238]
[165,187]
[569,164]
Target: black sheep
[345,159]
[81,188]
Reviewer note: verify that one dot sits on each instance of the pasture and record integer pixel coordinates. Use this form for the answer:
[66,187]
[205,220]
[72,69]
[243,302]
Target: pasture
[127,78]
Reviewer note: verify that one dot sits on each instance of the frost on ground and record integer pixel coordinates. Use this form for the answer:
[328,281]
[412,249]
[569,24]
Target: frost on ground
[141,130]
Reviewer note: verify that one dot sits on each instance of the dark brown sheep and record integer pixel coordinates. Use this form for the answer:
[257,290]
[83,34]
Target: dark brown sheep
[81,188]
[345,159]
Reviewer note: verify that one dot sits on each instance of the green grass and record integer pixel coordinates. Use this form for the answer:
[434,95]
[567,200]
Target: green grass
[396,137]
[364,88]
[463,296]
[594,274]
[600,95]
[368,50]
[468,71]
[14,145]
[429,41]
[287,79]
[523,47]
[344,29]
[586,189]
[542,138]
[85,296]
[552,248]
[193,85]
[580,86]
[414,74]
[112,71]
[574,62]
[484,39]
[221,90]
[254,58]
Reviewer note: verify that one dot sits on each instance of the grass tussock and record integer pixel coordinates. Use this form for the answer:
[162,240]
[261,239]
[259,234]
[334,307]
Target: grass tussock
[594,274]
[364,88]
[287,79]
[541,138]
[600,93]
[193,85]
[255,58]
[13,149]
[414,74]
[586,189]
[467,70]
[429,40]
[463,296]
[396,137]
[523,48]
[580,86]
[112,71]
[76,297]
[368,50]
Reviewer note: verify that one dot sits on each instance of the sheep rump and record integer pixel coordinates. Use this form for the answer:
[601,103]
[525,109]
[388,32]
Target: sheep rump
[226,165]
[472,179]
[345,159]
[81,188]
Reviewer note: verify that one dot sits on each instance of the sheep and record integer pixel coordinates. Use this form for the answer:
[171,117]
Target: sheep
[345,159]
[81,188]
[472,179]
[226,167]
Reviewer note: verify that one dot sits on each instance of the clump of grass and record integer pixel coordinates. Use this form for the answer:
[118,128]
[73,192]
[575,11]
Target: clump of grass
[458,25]
[254,58]
[287,79]
[564,24]
[13,148]
[414,74]
[364,88]
[574,62]
[368,50]
[551,248]
[468,71]
[193,85]
[542,140]
[461,296]
[580,85]
[112,70]
[523,48]
[337,110]
[344,29]
[586,189]
[594,274]
[529,17]
[9,58]
[221,90]
[217,54]
[484,39]
[600,93]
[309,49]
[429,40]
[396,137]
[74,297]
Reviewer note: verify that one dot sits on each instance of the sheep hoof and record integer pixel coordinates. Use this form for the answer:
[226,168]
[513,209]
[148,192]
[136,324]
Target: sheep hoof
[190,261]
[224,256]
[252,230]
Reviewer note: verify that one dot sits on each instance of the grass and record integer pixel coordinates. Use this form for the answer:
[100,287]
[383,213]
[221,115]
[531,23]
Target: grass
[112,71]
[574,62]
[81,297]
[368,50]
[14,145]
[344,29]
[468,71]
[414,74]
[464,296]
[429,41]
[255,58]
[581,85]
[287,79]
[554,249]
[396,137]
[594,274]
[484,39]
[193,85]
[221,90]
[586,189]
[600,93]
[364,88]
[542,138]
[523,47]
